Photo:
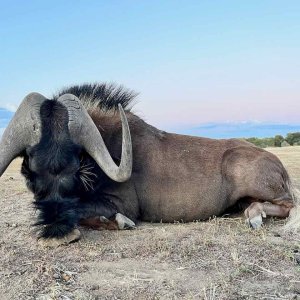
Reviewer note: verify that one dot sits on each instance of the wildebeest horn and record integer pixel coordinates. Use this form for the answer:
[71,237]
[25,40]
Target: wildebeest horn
[23,130]
[84,132]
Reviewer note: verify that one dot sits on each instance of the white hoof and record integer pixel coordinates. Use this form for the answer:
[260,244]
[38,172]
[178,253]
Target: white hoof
[257,221]
[124,222]
[55,242]
[103,219]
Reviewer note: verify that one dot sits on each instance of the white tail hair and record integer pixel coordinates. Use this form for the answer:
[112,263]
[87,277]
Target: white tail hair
[293,223]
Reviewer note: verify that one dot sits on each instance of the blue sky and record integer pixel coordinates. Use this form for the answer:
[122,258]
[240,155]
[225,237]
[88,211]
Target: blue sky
[193,62]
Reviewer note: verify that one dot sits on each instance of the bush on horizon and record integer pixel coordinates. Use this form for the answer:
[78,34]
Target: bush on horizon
[292,138]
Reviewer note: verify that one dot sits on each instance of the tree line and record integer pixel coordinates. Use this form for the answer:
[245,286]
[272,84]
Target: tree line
[291,139]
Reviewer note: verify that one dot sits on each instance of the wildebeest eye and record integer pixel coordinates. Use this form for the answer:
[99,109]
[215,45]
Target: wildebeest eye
[31,160]
[29,151]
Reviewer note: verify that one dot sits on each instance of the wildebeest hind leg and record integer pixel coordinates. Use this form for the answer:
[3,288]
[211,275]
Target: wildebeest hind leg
[258,210]
[117,222]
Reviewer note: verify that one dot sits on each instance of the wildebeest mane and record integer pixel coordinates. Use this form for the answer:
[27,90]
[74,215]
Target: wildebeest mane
[101,95]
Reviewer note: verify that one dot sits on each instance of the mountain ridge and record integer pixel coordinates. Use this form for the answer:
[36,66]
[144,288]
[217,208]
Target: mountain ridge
[234,129]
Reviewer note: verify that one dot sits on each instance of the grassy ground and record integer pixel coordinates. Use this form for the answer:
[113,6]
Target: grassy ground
[290,156]
[218,259]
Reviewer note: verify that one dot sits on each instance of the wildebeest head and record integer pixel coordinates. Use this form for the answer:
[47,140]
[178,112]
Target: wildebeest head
[51,135]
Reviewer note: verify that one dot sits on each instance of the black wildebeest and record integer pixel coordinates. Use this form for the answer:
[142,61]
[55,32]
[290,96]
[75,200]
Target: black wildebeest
[83,167]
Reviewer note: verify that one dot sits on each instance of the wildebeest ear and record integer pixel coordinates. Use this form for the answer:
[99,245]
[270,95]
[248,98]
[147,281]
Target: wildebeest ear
[23,130]
[85,133]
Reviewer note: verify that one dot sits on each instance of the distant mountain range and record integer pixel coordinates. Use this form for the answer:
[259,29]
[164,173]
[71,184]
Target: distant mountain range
[240,129]
[212,130]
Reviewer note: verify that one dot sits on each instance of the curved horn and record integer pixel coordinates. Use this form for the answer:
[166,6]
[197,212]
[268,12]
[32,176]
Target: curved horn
[22,131]
[84,132]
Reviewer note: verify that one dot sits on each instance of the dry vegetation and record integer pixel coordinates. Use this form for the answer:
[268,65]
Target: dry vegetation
[217,259]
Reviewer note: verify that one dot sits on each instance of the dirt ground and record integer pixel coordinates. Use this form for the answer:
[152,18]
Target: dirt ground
[217,259]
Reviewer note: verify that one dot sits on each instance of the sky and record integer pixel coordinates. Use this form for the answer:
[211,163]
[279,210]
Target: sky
[193,63]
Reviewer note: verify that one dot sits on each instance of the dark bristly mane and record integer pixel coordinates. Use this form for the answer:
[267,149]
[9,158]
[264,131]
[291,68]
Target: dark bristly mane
[102,95]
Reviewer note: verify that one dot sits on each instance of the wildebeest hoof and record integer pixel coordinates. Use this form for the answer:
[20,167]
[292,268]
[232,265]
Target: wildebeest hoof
[124,222]
[255,222]
[103,219]
[255,214]
[73,236]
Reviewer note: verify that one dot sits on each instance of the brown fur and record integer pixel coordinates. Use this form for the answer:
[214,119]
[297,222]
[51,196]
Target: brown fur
[177,177]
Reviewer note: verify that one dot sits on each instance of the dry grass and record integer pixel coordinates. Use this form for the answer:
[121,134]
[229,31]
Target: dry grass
[218,259]
[290,156]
